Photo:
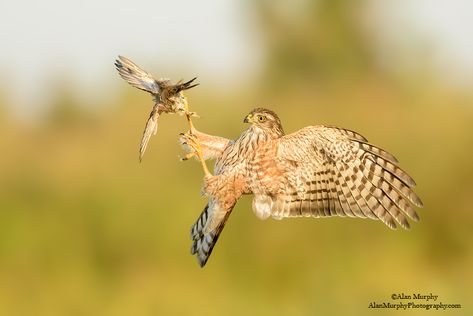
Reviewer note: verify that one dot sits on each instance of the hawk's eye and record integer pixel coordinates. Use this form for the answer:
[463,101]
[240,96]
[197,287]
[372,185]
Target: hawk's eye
[261,118]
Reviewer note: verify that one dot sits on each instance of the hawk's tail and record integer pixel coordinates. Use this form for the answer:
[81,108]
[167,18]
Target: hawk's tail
[204,242]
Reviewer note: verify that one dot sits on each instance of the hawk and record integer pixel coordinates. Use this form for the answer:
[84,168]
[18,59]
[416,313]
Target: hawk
[318,171]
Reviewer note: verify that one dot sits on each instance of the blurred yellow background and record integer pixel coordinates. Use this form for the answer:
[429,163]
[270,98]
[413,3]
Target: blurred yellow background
[87,230]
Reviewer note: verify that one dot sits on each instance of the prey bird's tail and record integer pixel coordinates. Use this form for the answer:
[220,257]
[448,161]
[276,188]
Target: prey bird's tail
[151,128]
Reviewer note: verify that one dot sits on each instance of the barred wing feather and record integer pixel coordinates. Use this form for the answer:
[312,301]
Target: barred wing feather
[342,174]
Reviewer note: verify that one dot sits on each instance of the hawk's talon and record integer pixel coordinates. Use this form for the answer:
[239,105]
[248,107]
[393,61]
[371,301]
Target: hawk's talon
[190,140]
[188,113]
[187,156]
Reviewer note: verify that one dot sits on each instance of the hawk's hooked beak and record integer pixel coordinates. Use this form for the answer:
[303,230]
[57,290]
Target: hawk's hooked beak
[247,118]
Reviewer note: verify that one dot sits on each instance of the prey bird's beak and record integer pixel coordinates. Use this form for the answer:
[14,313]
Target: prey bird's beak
[247,118]
[186,85]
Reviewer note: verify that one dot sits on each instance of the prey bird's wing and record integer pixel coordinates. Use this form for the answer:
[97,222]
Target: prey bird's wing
[136,76]
[150,129]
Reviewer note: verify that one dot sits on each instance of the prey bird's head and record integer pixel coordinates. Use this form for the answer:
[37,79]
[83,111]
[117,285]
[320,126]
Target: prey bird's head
[172,95]
[266,120]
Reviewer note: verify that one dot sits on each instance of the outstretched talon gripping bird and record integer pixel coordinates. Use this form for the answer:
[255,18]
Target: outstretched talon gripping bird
[167,97]
[317,171]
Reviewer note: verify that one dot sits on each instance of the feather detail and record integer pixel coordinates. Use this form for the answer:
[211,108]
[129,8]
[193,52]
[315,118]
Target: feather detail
[206,230]
[351,177]
[136,76]
[151,128]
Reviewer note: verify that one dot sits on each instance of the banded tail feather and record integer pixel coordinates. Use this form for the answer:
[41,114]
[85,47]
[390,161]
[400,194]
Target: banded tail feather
[204,238]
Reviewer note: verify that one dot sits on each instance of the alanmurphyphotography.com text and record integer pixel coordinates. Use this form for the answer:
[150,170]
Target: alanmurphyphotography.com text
[404,301]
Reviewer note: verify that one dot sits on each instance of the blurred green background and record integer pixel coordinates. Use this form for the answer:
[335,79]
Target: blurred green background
[87,230]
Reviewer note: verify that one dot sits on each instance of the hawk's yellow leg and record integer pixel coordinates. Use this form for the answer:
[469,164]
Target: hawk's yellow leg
[195,146]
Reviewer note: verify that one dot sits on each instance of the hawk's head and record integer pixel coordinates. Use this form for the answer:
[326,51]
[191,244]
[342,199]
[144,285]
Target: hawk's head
[265,119]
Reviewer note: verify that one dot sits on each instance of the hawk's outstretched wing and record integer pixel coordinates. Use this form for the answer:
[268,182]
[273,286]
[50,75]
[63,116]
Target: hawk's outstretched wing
[332,171]
[136,76]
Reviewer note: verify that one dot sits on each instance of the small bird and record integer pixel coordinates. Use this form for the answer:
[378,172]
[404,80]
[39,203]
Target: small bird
[318,171]
[167,97]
